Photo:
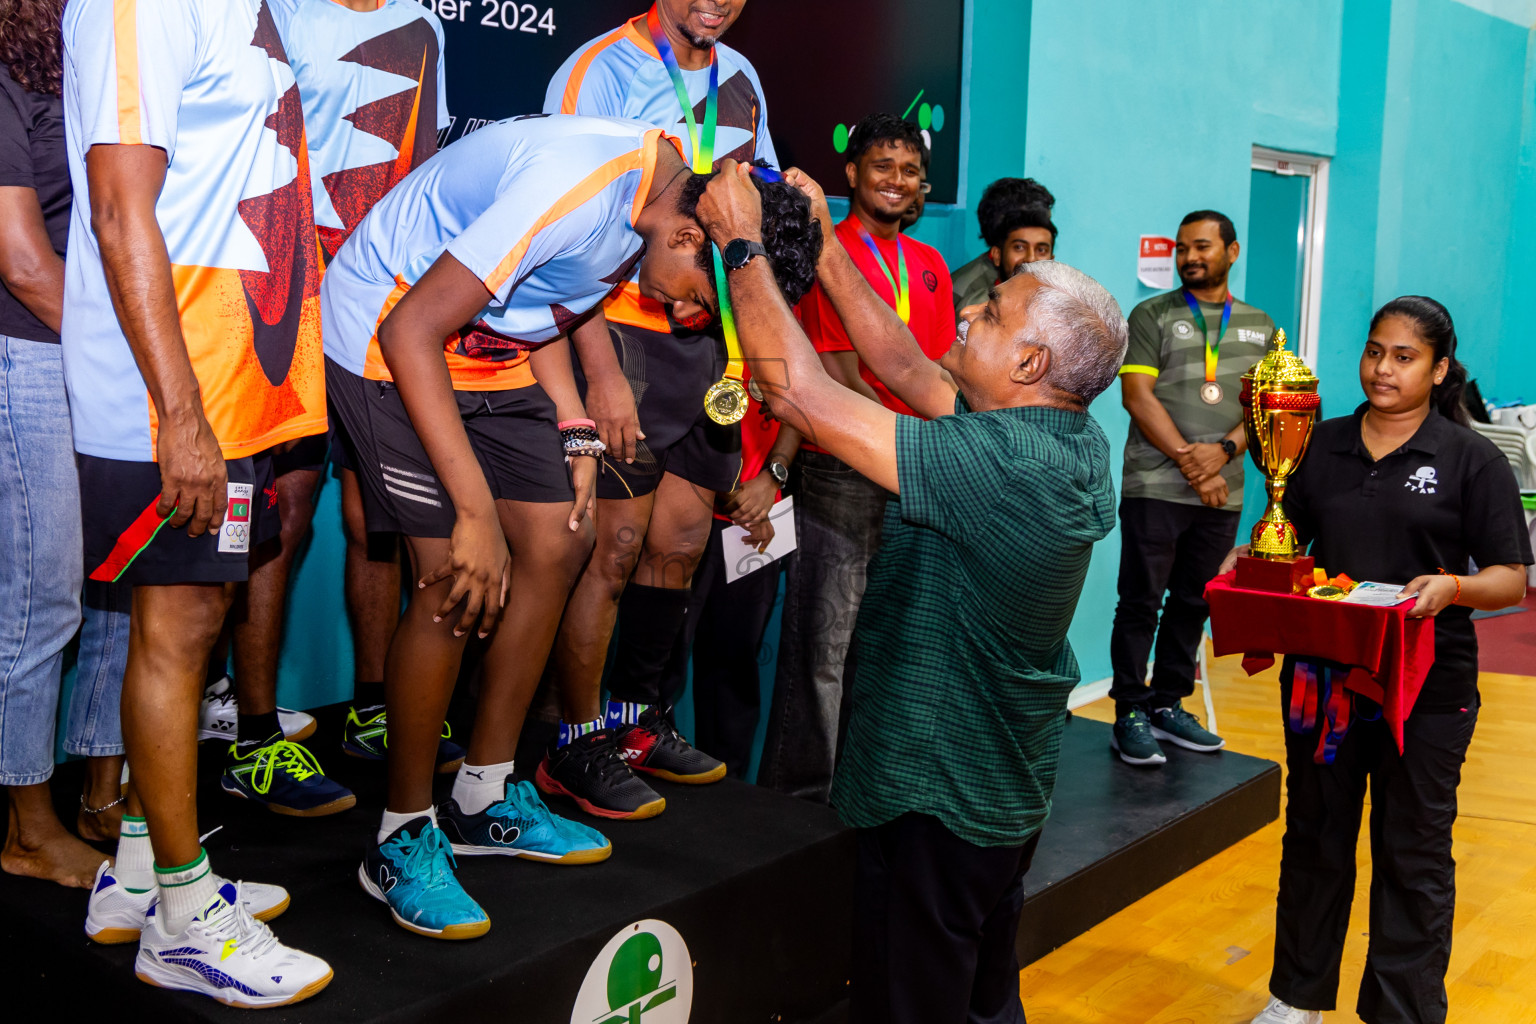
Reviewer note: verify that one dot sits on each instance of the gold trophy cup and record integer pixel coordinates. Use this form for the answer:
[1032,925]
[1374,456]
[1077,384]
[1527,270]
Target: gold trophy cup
[1280,405]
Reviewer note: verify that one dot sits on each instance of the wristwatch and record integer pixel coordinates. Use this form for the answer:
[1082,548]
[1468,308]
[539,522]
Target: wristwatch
[738,252]
[778,471]
[1230,447]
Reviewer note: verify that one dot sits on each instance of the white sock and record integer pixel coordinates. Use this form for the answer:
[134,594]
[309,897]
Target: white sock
[392,821]
[184,892]
[480,785]
[135,867]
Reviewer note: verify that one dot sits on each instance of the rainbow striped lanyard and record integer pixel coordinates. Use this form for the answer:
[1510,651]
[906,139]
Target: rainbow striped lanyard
[902,291]
[702,140]
[1211,347]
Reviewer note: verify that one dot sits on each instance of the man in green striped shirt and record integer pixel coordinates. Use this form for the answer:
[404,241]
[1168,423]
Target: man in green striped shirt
[1182,490]
[963,667]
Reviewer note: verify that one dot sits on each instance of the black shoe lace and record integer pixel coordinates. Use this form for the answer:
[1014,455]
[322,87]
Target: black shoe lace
[602,757]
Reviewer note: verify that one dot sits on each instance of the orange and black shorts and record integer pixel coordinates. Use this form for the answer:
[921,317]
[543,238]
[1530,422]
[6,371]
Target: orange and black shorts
[126,542]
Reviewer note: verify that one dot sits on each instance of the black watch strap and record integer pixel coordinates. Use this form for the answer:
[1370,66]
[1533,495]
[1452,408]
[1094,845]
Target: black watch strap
[1230,447]
[738,252]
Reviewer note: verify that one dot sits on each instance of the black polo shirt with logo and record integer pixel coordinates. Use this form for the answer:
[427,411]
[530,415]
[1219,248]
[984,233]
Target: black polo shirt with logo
[1446,498]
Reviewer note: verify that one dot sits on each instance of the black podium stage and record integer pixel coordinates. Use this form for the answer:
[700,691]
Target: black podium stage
[756,884]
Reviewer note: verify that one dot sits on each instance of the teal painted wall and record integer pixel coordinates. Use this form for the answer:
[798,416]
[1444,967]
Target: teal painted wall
[1134,113]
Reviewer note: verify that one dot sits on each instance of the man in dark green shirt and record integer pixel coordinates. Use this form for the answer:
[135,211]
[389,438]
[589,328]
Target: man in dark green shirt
[1015,219]
[1182,490]
[963,666]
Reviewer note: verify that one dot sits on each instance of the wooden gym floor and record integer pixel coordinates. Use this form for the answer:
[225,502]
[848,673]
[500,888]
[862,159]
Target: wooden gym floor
[1199,950]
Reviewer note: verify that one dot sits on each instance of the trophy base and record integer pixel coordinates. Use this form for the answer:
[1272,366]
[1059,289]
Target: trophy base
[1275,575]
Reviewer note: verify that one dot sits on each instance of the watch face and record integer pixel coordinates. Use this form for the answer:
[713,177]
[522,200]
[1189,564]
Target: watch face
[779,472]
[736,253]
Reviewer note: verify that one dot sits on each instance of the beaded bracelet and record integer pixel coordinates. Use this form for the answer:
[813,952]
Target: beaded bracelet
[1458,584]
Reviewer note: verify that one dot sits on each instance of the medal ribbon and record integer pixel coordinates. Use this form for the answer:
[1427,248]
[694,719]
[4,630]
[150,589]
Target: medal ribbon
[1211,347]
[700,140]
[902,292]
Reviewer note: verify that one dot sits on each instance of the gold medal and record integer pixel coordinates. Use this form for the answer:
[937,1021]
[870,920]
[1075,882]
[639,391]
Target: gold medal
[1327,592]
[726,401]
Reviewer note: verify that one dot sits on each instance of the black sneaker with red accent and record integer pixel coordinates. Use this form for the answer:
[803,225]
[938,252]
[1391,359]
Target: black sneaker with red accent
[657,748]
[590,771]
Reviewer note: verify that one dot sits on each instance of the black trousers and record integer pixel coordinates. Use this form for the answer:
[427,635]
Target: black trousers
[1165,547]
[935,919]
[724,633]
[1413,876]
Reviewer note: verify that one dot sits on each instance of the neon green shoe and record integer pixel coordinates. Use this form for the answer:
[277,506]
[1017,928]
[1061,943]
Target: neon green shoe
[364,736]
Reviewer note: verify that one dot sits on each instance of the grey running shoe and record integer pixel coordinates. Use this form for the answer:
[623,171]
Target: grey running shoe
[1181,728]
[1133,740]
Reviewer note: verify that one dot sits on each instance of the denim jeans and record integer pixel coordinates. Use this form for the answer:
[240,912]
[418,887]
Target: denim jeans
[838,516]
[41,572]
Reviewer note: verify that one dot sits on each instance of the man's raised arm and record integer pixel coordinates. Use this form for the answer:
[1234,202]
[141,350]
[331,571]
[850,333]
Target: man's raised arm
[860,432]
[878,335]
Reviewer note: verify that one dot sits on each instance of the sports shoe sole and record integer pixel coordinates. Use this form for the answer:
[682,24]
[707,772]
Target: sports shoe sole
[120,936]
[443,767]
[596,856]
[715,774]
[453,932]
[334,807]
[549,785]
[1141,762]
[240,999]
[1177,741]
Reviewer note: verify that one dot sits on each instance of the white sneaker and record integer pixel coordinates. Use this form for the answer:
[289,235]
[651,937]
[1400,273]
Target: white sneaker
[218,718]
[114,915]
[228,955]
[1280,1012]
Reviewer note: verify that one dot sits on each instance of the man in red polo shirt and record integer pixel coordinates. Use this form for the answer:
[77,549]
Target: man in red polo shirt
[837,511]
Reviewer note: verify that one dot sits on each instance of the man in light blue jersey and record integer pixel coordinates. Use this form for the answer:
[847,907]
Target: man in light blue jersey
[665,67]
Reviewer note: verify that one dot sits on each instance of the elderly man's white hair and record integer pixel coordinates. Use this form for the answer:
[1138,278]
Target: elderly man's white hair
[1080,322]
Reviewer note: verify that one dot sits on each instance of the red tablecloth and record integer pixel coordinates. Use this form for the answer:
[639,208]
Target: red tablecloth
[1390,654]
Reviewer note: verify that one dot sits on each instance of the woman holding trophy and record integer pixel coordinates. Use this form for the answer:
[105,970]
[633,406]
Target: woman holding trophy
[1400,490]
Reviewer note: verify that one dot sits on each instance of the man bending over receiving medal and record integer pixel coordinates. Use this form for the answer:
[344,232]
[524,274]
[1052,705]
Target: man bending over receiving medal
[960,687]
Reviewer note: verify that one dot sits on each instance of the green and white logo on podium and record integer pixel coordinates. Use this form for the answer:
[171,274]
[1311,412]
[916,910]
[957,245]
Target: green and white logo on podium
[643,976]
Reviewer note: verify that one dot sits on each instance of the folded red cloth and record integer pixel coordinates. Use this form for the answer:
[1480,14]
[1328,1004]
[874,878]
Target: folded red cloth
[1390,654]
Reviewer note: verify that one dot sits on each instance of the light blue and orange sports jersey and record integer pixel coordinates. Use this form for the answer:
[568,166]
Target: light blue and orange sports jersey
[621,74]
[208,82]
[374,100]
[541,209]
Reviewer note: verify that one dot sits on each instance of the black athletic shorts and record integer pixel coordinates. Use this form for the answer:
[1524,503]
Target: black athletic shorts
[513,434]
[126,542]
[308,453]
[669,374]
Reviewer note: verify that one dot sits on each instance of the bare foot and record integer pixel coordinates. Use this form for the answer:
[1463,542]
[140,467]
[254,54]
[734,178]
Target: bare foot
[102,827]
[37,846]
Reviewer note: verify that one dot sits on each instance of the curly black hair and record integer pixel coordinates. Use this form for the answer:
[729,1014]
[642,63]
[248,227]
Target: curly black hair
[790,234]
[1012,203]
[32,44]
[878,128]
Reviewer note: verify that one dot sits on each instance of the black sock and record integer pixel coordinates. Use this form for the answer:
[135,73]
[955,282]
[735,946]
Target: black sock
[216,670]
[649,621]
[254,731]
[367,695]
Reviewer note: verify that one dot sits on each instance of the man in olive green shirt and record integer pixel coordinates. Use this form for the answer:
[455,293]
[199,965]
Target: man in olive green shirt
[1015,219]
[999,492]
[1182,489]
